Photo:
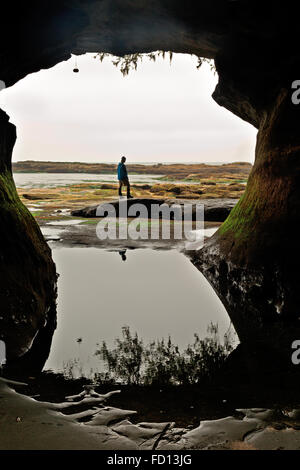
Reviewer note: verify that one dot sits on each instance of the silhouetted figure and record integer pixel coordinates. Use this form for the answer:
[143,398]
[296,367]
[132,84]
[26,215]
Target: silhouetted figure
[123,255]
[123,178]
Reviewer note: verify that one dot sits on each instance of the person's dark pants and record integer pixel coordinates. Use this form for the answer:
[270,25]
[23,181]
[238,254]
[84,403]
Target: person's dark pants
[124,183]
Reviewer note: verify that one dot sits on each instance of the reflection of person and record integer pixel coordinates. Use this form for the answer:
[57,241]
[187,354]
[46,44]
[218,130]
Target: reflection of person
[123,178]
[123,255]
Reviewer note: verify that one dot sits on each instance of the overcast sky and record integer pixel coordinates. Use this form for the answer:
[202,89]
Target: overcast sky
[159,113]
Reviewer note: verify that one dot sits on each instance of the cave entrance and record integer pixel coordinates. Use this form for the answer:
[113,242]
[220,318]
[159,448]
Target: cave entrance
[62,117]
[162,113]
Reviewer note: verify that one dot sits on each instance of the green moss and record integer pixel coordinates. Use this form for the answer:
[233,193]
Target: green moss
[14,211]
[35,214]
[9,198]
[241,222]
[90,222]
[8,190]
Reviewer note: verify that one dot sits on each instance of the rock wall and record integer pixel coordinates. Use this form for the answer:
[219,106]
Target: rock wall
[27,272]
[252,261]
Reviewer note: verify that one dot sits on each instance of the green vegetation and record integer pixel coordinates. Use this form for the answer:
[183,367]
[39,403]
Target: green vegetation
[161,362]
[90,222]
[7,188]
[242,220]
[10,201]
[209,182]
[16,217]
[130,61]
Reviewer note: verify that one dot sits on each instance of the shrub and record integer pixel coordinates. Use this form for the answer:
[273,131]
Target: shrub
[161,362]
[125,361]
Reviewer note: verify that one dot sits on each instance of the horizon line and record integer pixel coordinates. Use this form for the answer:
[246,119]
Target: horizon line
[174,162]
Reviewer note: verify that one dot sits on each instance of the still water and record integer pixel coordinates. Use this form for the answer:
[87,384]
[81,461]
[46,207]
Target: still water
[155,293]
[53,180]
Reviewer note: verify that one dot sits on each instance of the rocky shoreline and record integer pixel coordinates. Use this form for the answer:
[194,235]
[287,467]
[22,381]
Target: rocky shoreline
[227,171]
[78,227]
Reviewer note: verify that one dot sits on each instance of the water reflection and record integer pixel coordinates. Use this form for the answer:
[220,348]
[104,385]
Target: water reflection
[155,293]
[53,180]
[123,255]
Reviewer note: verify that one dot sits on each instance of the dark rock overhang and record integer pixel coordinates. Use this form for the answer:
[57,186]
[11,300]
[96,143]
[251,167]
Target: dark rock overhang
[253,43]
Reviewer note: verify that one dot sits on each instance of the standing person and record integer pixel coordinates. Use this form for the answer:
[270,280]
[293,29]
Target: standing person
[123,178]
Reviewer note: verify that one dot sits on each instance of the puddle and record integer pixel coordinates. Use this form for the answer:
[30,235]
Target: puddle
[155,293]
[208,232]
[51,233]
[62,211]
[66,222]
[53,180]
[34,209]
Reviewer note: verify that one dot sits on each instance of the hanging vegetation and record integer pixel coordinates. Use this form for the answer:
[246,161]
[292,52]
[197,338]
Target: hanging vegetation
[130,61]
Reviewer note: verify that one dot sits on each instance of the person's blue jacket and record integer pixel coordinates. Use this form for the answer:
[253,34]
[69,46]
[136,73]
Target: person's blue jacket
[122,172]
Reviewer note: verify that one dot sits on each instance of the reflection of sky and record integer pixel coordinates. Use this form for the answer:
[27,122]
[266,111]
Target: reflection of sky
[155,293]
[158,113]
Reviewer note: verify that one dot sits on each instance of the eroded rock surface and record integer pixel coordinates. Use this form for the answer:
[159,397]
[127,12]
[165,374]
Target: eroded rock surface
[35,425]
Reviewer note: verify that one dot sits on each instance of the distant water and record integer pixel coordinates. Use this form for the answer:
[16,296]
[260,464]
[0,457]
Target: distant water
[52,180]
[174,163]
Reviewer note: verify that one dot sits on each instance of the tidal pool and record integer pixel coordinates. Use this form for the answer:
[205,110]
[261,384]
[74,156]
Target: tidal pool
[155,293]
[53,180]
